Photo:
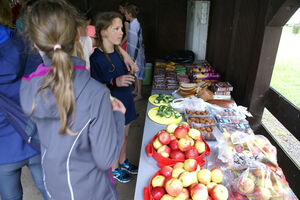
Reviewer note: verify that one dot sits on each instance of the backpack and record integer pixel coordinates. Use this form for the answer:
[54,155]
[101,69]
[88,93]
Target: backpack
[21,123]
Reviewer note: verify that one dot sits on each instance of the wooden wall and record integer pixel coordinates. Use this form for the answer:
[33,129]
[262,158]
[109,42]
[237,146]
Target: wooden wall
[163,22]
[235,37]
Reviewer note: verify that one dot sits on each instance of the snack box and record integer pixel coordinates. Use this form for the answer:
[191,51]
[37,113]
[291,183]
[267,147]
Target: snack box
[223,86]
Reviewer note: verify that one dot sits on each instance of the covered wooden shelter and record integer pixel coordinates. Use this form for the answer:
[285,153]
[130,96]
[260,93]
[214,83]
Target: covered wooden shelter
[243,38]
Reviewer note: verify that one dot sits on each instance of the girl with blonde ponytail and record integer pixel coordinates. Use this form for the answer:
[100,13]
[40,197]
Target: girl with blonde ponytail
[80,128]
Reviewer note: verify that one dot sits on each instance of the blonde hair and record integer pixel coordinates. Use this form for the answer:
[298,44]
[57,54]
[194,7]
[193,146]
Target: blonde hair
[51,23]
[5,14]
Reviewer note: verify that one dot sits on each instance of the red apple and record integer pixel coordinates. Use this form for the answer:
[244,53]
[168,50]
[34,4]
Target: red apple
[171,128]
[191,140]
[188,178]
[174,145]
[159,132]
[239,148]
[166,171]
[237,196]
[204,176]
[200,146]
[219,192]
[173,186]
[194,133]
[190,165]
[167,197]
[260,173]
[158,181]
[177,171]
[178,165]
[164,138]
[172,136]
[164,151]
[184,194]
[209,198]
[185,125]
[157,193]
[177,154]
[245,185]
[192,153]
[210,186]
[216,175]
[180,132]
[199,192]
[156,144]
[184,144]
[262,193]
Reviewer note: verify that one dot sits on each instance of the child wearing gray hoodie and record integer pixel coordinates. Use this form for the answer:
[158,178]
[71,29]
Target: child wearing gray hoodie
[80,127]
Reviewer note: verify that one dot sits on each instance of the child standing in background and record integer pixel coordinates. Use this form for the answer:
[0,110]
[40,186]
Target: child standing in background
[80,128]
[125,22]
[135,47]
[107,66]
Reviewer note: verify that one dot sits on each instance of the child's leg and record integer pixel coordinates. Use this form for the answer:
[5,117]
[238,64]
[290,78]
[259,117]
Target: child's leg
[135,90]
[139,90]
[117,170]
[122,156]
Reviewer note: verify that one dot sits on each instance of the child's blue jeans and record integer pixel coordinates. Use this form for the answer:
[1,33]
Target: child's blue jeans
[10,178]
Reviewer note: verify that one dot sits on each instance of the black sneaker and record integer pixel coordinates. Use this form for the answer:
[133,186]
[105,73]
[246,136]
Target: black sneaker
[128,167]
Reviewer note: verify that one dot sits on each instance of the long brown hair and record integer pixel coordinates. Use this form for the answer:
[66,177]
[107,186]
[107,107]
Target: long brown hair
[103,21]
[51,23]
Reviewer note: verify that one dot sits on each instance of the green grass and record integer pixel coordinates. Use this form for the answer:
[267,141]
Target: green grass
[286,73]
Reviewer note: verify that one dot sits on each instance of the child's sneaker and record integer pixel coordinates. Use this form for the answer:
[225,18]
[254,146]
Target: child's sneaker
[121,176]
[128,167]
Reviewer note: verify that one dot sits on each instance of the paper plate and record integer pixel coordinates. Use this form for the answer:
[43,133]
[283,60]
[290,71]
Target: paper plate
[152,114]
[152,99]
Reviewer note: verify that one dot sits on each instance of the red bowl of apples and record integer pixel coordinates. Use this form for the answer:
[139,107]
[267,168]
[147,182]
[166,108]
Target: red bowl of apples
[176,144]
[186,181]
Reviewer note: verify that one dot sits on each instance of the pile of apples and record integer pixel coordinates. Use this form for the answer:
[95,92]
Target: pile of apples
[188,180]
[261,184]
[179,142]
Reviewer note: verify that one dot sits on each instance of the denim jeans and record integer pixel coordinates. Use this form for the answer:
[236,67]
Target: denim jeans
[10,178]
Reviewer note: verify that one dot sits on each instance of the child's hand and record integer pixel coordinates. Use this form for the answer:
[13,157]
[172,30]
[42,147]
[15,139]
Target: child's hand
[125,80]
[117,105]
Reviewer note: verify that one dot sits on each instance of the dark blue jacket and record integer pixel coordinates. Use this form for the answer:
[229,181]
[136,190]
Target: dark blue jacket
[15,62]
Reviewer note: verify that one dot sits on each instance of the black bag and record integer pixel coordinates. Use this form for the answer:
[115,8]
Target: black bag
[181,56]
[22,124]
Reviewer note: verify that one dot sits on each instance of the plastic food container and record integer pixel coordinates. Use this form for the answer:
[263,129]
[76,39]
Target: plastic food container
[242,126]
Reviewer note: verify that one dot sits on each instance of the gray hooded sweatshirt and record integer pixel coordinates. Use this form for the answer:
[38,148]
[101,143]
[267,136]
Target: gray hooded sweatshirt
[76,167]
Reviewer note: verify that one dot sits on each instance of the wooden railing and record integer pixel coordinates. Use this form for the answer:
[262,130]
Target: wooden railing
[283,110]
[289,116]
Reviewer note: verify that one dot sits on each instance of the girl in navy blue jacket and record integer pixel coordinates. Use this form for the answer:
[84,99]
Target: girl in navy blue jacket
[14,151]
[107,67]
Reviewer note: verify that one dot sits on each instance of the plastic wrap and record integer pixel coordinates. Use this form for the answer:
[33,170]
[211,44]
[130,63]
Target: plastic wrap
[238,150]
[260,182]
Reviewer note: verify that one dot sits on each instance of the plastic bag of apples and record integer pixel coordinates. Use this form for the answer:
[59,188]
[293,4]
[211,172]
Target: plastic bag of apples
[184,181]
[177,143]
[238,150]
[260,182]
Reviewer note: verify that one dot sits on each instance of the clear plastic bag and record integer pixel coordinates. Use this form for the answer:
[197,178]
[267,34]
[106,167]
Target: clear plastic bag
[259,182]
[238,150]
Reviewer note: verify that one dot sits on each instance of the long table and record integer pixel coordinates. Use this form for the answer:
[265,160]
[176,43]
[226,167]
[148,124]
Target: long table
[148,165]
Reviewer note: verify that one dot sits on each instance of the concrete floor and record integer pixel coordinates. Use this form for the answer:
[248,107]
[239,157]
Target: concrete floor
[126,191]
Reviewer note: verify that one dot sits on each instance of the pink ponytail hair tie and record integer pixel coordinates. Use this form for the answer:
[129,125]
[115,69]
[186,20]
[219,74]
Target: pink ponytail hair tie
[57,46]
